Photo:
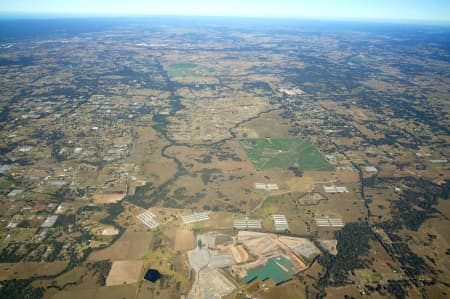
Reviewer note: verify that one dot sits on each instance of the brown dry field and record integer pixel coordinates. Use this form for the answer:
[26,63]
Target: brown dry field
[75,294]
[293,289]
[224,186]
[132,245]
[340,292]
[197,123]
[108,197]
[237,189]
[146,156]
[217,221]
[444,206]
[149,290]
[258,128]
[184,240]
[437,291]
[347,176]
[281,205]
[24,270]
[381,265]
[120,291]
[76,276]
[168,262]
[436,248]
[344,205]
[381,202]
[366,131]
[124,272]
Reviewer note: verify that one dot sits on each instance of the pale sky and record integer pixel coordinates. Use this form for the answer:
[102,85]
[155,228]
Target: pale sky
[419,10]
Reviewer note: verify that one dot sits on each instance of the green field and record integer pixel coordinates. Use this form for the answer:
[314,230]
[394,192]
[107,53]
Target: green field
[359,59]
[188,69]
[271,153]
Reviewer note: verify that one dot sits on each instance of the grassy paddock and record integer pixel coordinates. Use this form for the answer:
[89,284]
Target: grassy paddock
[272,153]
[188,69]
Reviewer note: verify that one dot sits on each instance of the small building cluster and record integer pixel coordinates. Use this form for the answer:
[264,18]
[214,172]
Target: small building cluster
[280,222]
[267,187]
[196,217]
[329,222]
[335,189]
[247,223]
[50,221]
[148,218]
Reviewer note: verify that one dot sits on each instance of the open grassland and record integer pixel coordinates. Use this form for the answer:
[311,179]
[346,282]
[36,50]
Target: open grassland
[188,69]
[132,245]
[120,291]
[291,289]
[24,270]
[269,153]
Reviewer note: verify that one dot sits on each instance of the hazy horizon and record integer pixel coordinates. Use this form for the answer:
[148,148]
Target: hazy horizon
[434,11]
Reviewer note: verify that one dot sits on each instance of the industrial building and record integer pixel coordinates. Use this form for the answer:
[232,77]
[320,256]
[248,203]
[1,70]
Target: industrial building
[50,221]
[247,223]
[148,218]
[280,222]
[335,189]
[371,169]
[267,187]
[329,222]
[196,217]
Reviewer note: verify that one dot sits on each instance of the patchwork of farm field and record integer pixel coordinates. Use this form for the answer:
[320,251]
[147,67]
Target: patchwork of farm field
[269,153]
[206,161]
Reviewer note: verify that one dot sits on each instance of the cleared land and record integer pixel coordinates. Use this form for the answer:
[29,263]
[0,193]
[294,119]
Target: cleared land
[110,231]
[240,255]
[270,153]
[124,272]
[184,240]
[132,245]
[108,197]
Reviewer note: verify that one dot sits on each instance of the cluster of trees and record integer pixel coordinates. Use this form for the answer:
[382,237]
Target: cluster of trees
[140,195]
[10,254]
[101,268]
[20,288]
[56,249]
[353,244]
[417,205]
[207,173]
[396,288]
[113,209]
[296,170]
[204,159]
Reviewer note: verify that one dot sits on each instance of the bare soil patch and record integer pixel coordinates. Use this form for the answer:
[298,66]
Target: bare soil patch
[132,245]
[124,272]
[108,197]
[184,240]
[240,255]
[110,231]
